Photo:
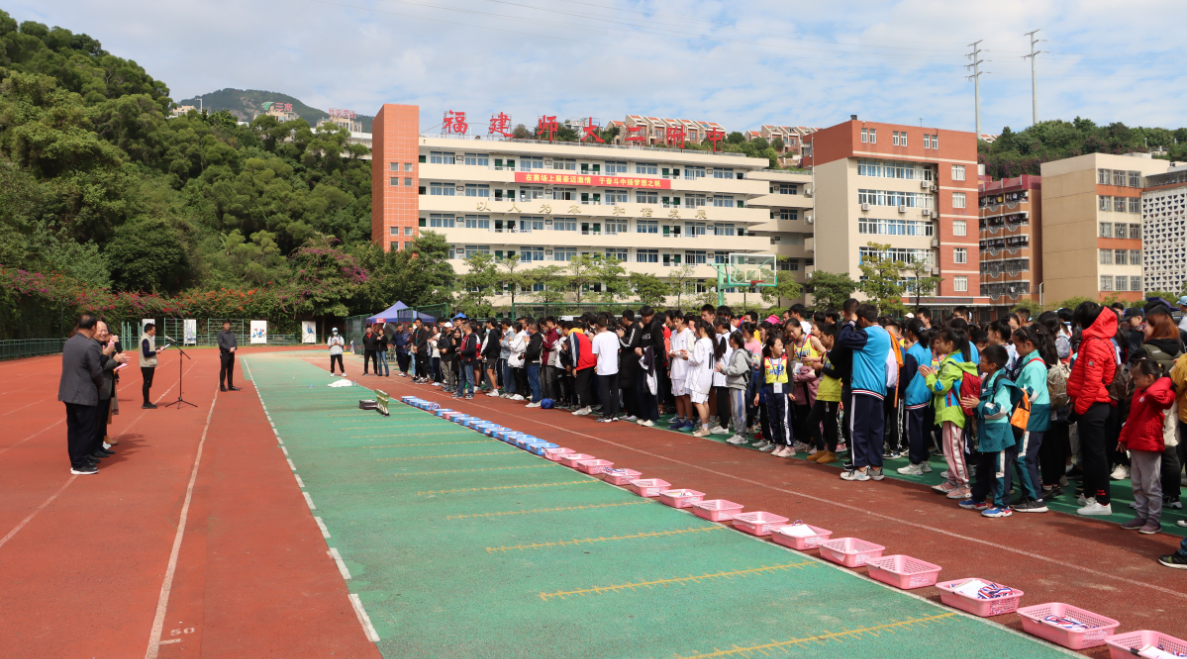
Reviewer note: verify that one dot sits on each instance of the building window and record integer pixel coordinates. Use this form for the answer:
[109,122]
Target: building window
[958,172]
[1135,205]
[671,259]
[723,201]
[1135,232]
[865,135]
[566,164]
[1106,229]
[477,159]
[1121,282]
[440,221]
[529,163]
[1105,203]
[475,190]
[407,182]
[646,256]
[697,257]
[723,172]
[407,231]
[616,253]
[894,169]
[1119,204]
[395,166]
[1121,232]
[1135,283]
[894,138]
[723,230]
[649,168]
[1103,177]
[407,166]
[564,253]
[1106,282]
[564,225]
[441,189]
[960,283]
[1118,178]
[471,250]
[646,226]
[873,136]
[789,188]
[1106,257]
[478,222]
[894,227]
[903,139]
[615,167]
[786,214]
[960,255]
[960,228]
[395,231]
[958,200]
[927,140]
[1135,181]
[1135,258]
[395,181]
[441,158]
[694,228]
[1121,257]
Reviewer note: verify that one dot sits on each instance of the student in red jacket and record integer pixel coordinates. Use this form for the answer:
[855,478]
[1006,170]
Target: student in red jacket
[1142,437]
[1087,389]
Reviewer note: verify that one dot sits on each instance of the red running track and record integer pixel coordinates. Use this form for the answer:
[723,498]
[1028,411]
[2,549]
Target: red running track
[83,558]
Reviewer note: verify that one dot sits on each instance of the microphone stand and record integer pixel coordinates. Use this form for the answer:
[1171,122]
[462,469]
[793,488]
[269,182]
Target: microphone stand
[180,375]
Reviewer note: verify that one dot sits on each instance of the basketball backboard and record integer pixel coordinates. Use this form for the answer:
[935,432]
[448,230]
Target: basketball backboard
[747,269]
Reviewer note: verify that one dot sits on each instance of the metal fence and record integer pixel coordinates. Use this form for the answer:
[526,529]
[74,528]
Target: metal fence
[206,334]
[18,348]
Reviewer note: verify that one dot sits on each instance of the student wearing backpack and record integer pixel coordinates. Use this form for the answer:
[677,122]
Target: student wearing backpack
[996,448]
[1142,437]
[1092,373]
[954,379]
[1032,381]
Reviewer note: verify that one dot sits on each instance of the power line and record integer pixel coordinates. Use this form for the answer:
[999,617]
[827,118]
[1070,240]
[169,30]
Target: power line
[976,78]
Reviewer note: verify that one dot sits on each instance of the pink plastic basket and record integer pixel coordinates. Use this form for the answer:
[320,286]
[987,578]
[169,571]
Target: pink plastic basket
[649,487]
[716,510]
[850,552]
[902,571]
[1032,623]
[620,476]
[680,498]
[555,454]
[594,466]
[1120,644]
[795,542]
[978,607]
[571,459]
[758,523]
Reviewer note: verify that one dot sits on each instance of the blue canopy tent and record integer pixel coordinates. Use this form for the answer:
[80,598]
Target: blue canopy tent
[399,313]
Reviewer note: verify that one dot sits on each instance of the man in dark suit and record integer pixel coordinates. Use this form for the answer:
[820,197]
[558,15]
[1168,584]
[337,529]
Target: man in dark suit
[227,345]
[110,358]
[82,377]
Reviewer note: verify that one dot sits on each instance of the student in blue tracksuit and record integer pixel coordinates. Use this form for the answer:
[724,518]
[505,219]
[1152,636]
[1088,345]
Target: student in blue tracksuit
[871,346]
[996,449]
[916,398]
[1032,380]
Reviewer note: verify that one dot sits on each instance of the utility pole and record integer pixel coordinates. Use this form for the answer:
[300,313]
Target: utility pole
[976,77]
[1034,94]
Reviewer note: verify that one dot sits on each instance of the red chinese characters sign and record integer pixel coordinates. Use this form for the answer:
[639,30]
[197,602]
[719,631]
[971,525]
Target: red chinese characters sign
[455,122]
[343,114]
[595,180]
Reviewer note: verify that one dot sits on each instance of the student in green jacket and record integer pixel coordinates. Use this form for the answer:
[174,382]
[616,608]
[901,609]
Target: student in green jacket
[996,447]
[944,384]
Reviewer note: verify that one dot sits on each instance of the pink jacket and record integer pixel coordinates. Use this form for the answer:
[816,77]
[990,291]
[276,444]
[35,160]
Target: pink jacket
[806,384]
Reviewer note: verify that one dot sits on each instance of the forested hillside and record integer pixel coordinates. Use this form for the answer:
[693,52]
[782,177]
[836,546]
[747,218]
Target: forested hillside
[245,104]
[1013,153]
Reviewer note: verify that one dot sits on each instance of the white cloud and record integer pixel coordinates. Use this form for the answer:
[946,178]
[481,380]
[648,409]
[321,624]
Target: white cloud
[741,64]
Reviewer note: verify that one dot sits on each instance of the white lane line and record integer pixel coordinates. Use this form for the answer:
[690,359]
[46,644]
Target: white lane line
[33,514]
[364,619]
[341,565]
[859,510]
[309,500]
[286,451]
[279,439]
[170,642]
[154,639]
[325,533]
[292,466]
[299,481]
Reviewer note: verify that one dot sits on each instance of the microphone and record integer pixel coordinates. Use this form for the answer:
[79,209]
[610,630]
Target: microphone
[170,339]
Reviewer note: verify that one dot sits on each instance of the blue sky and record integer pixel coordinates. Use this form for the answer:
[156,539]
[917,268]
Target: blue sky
[741,63]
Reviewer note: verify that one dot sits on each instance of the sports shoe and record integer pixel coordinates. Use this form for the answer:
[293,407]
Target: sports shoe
[533,405]
[1151,527]
[1172,502]
[944,474]
[960,493]
[1173,560]
[1003,511]
[1094,508]
[148,406]
[854,475]
[517,397]
[812,451]
[814,455]
[631,417]
[1083,500]
[688,426]
[737,440]
[764,446]
[1182,523]
[1133,524]
[826,458]
[891,455]
[676,424]
[876,473]
[800,447]
[585,411]
[842,448]
[911,470]
[718,430]
[602,419]
[84,470]
[969,504]
[783,452]
[700,432]
[944,488]
[1030,506]
[493,394]
[646,423]
[1120,473]
[469,396]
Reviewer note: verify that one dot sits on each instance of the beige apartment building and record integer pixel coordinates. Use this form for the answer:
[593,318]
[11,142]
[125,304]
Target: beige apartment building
[790,229]
[1092,225]
[1164,231]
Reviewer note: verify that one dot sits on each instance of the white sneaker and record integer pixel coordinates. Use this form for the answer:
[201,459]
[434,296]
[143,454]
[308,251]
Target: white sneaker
[763,445]
[1094,508]
[1120,473]
[800,446]
[1084,501]
[585,411]
[911,470]
[517,397]
[925,467]
[718,430]
[785,452]
[533,404]
[646,423]
[700,432]
[630,417]
[855,475]
[944,474]
[493,394]
[812,451]
[736,440]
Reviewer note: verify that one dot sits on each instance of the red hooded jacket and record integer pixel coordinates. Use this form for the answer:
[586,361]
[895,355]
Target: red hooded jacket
[1096,364]
[1143,430]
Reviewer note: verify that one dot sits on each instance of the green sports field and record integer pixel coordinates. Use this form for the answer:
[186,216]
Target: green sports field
[459,545]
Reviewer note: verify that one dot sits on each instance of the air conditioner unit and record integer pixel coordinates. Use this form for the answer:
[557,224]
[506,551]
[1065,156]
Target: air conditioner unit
[807,192]
[935,270]
[934,187]
[926,212]
[925,184]
[935,242]
[865,207]
[902,209]
[809,219]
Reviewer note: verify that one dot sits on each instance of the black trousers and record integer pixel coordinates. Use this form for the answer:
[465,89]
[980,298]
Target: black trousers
[823,413]
[338,359]
[723,405]
[101,412]
[226,373]
[80,431]
[1053,453]
[403,358]
[146,373]
[1094,444]
[370,358]
[608,387]
[422,365]
[584,387]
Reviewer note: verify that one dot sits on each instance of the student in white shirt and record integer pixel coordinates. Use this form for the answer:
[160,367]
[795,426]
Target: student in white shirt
[605,347]
[702,363]
[722,330]
[335,343]
[682,345]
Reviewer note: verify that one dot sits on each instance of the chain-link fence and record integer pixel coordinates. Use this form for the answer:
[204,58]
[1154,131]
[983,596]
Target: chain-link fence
[204,332]
[18,348]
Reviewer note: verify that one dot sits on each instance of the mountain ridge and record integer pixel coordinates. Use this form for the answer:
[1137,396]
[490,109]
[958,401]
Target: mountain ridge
[247,103]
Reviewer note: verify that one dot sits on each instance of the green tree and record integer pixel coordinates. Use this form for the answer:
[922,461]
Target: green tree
[149,255]
[611,279]
[513,279]
[548,283]
[651,290]
[922,282]
[478,284]
[584,270]
[418,276]
[325,277]
[882,279]
[682,282]
[785,288]
[830,289]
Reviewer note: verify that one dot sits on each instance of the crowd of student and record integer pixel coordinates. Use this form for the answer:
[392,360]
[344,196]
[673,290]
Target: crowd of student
[1095,392]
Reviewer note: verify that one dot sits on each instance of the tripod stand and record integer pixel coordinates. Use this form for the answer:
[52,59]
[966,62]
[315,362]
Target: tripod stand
[180,375]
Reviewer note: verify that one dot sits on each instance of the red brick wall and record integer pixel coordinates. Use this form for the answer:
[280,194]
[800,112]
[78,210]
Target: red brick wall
[395,136]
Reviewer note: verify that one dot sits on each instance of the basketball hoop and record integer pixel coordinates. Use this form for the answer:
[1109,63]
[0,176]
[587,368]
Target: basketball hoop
[756,282]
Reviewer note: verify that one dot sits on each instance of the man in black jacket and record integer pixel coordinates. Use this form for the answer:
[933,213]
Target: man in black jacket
[468,358]
[78,388]
[420,348]
[531,360]
[370,350]
[653,336]
[447,350]
[494,337]
[628,363]
[227,345]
